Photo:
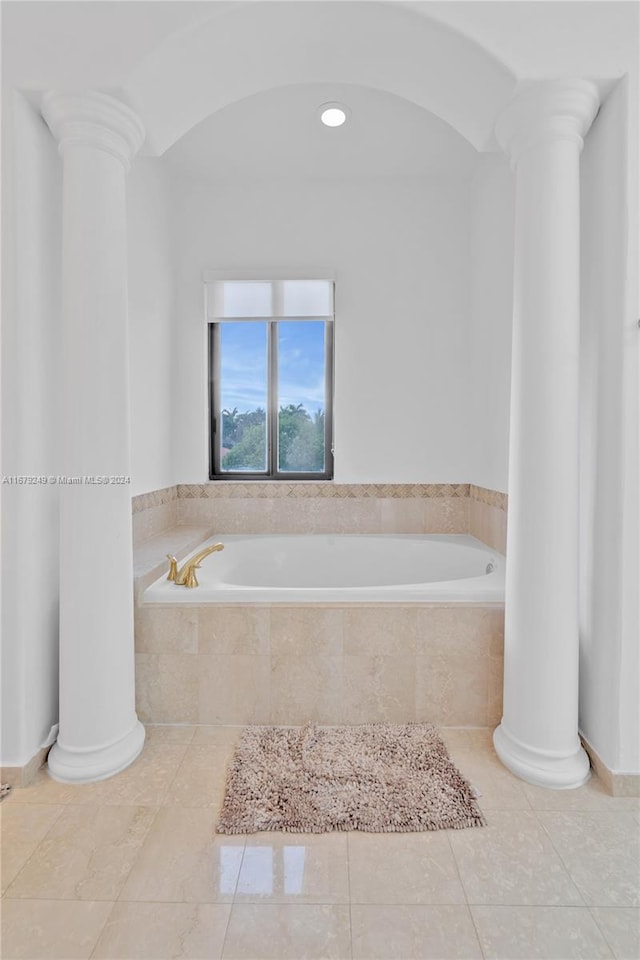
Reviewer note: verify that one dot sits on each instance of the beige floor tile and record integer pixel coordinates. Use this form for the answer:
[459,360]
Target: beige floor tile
[539,933]
[183,860]
[413,933]
[620,927]
[144,783]
[496,787]
[164,931]
[601,851]
[86,855]
[456,740]
[481,740]
[403,868]
[527,873]
[511,861]
[219,736]
[44,789]
[200,779]
[181,733]
[48,929]
[294,867]
[590,797]
[285,931]
[23,827]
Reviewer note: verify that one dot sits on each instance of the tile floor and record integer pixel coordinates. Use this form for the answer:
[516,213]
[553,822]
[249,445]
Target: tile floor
[132,868]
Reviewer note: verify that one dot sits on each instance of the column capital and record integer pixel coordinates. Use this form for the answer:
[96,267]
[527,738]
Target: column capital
[546,110]
[96,120]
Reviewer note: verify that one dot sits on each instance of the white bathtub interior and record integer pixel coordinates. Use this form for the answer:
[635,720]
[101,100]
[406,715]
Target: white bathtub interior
[341,568]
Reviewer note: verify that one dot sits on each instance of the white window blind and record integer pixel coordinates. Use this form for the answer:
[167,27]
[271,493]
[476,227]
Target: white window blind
[251,299]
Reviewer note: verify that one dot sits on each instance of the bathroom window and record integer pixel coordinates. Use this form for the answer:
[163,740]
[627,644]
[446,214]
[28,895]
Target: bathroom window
[270,379]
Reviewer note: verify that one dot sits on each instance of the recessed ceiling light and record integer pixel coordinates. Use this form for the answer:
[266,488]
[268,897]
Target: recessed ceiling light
[334,114]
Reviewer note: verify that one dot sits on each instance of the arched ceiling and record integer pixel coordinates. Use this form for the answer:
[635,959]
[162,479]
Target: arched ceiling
[278,134]
[253,47]
[178,61]
[533,39]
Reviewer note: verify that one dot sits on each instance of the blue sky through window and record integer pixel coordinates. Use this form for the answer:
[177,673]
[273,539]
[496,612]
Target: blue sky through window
[243,348]
[301,377]
[243,365]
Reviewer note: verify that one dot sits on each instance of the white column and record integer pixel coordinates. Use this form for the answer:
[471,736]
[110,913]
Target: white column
[541,131]
[99,731]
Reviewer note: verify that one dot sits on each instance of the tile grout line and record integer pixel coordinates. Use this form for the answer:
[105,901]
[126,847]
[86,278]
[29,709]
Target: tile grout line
[156,808]
[244,850]
[102,928]
[594,814]
[581,905]
[35,849]
[350,895]
[466,895]
[162,804]
[559,855]
[135,859]
[602,932]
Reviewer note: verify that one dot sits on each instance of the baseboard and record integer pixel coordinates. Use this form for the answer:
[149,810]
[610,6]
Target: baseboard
[23,776]
[617,784]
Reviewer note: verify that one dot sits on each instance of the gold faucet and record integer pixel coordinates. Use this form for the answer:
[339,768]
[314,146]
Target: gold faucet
[186,575]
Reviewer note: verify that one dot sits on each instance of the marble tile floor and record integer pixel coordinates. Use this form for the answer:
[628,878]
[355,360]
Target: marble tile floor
[131,868]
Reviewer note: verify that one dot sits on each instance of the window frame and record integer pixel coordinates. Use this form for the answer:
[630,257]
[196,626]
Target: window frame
[215,412]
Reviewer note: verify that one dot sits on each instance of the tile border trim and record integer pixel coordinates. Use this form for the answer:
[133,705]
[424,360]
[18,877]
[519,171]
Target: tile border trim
[302,489]
[491,497]
[297,490]
[155,498]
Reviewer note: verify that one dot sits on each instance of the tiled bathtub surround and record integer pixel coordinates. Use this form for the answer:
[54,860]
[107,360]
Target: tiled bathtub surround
[154,512]
[310,507]
[217,664]
[488,517]
[331,664]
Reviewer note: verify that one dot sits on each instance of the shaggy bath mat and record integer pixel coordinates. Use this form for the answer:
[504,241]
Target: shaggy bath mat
[380,778]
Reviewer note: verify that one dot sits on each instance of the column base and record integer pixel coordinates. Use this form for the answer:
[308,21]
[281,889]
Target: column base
[543,769]
[87,766]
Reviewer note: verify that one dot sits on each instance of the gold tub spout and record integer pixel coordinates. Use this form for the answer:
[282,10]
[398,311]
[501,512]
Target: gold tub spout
[186,575]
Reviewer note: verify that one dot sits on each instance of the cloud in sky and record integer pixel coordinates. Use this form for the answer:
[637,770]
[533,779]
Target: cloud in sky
[300,364]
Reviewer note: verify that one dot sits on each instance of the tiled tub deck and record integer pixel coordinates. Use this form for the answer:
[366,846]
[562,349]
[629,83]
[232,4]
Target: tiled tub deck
[358,663]
[289,664]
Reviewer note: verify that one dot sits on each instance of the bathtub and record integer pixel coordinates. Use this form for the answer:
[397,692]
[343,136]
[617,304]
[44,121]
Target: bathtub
[328,628]
[329,568]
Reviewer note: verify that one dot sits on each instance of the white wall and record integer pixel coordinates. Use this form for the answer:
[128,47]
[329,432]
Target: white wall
[31,191]
[400,252]
[150,326]
[492,221]
[609,681]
